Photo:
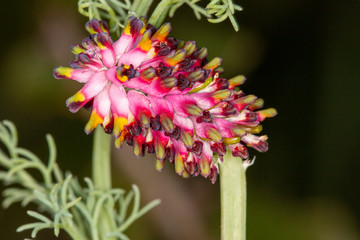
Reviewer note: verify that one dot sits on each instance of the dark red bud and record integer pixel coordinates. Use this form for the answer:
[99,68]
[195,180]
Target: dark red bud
[222,83]
[229,109]
[131,72]
[197,147]
[170,153]
[176,133]
[172,42]
[83,58]
[150,147]
[220,148]
[162,71]
[240,151]
[186,64]
[73,65]
[163,51]
[251,116]
[182,82]
[213,174]
[204,61]
[110,126]
[136,25]
[190,166]
[135,129]
[206,117]
[155,123]
[129,139]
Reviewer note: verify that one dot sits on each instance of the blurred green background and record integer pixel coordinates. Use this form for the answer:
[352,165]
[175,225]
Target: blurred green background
[302,57]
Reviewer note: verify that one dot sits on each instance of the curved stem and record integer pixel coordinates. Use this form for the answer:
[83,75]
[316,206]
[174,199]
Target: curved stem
[233,198]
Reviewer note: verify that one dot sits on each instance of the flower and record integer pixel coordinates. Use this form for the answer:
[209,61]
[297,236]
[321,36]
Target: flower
[162,95]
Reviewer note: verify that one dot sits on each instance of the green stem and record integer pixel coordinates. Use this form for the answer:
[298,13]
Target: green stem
[143,7]
[160,12]
[102,177]
[233,198]
[101,171]
[73,232]
[135,6]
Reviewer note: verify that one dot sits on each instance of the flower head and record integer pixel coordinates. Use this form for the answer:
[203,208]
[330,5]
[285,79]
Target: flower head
[163,96]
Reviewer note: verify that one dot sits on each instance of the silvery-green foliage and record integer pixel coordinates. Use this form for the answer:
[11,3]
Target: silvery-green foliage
[63,204]
[118,11]
[221,10]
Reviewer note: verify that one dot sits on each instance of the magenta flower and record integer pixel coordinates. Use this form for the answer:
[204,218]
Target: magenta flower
[161,95]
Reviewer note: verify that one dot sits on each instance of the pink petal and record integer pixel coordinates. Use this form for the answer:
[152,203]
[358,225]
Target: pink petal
[209,100]
[139,53]
[164,109]
[100,113]
[84,60]
[96,83]
[137,83]
[128,36]
[134,57]
[80,75]
[208,131]
[246,117]
[184,105]
[122,45]
[160,86]
[140,107]
[228,129]
[104,42]
[119,107]
[256,142]
[187,129]
[111,75]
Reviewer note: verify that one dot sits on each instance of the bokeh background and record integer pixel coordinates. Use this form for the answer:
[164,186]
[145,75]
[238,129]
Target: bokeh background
[302,57]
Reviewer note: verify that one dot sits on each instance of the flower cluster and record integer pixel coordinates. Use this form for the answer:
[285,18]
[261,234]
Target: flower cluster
[163,96]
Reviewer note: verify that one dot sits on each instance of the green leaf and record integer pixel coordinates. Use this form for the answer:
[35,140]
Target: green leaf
[28,226]
[39,216]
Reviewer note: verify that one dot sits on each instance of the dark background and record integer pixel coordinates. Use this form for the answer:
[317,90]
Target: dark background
[302,57]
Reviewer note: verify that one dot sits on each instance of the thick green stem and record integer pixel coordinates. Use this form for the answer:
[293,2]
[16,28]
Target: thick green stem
[233,198]
[102,177]
[101,171]
[160,12]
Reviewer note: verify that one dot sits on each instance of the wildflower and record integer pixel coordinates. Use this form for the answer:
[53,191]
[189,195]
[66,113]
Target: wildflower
[162,95]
